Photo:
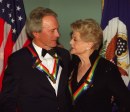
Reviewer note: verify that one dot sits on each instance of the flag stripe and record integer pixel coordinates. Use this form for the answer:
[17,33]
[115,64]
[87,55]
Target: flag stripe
[12,35]
[21,40]
[7,51]
[2,30]
[7,28]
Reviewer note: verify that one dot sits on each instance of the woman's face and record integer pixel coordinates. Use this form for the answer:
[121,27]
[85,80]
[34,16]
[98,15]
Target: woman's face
[78,46]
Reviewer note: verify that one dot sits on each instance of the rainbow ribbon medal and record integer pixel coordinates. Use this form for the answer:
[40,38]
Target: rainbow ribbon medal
[86,84]
[38,64]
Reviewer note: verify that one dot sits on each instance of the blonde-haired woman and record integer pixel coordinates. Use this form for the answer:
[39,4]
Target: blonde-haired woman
[93,79]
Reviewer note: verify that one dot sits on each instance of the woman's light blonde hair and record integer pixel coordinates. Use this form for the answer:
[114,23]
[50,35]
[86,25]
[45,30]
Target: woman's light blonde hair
[90,31]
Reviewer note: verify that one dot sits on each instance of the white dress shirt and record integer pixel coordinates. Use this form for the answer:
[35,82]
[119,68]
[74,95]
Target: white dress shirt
[48,62]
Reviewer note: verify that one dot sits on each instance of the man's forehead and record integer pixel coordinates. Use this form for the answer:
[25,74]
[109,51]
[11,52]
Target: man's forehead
[49,21]
[49,26]
[46,24]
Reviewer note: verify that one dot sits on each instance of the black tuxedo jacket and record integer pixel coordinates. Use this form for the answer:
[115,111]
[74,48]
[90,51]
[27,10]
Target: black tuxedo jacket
[26,89]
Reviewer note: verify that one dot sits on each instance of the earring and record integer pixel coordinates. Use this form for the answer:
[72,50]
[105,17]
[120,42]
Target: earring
[87,49]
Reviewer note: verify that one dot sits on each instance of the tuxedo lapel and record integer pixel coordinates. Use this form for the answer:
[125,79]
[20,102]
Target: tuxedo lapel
[35,61]
[63,76]
[62,80]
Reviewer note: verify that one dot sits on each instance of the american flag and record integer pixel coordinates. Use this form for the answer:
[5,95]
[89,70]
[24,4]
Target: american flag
[12,30]
[116,31]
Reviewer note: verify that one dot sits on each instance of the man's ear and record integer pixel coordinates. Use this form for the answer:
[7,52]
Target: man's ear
[36,34]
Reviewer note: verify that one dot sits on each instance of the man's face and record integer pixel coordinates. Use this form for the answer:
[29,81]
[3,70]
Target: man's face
[47,38]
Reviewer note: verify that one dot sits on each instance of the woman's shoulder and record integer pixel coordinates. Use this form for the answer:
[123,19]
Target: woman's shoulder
[107,64]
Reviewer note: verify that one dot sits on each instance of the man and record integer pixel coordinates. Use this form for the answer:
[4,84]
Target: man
[36,78]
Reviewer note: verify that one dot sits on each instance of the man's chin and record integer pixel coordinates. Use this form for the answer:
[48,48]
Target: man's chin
[54,45]
[71,52]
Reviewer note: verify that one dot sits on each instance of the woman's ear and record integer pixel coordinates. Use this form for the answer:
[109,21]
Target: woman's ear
[90,45]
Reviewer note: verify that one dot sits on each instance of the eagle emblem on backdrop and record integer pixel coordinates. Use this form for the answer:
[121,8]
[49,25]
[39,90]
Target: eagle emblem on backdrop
[115,46]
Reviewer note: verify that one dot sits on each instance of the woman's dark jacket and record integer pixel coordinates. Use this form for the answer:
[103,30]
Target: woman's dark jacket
[107,82]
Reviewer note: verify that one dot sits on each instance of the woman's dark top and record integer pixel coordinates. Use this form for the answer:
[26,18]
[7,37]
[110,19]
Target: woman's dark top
[107,82]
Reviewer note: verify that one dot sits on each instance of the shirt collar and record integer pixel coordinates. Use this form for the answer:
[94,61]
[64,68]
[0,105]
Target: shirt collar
[92,57]
[39,51]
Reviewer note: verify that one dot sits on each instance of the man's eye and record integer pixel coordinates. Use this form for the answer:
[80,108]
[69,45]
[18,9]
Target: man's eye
[52,31]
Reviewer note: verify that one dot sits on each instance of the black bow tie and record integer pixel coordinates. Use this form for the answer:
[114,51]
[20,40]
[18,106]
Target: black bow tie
[51,52]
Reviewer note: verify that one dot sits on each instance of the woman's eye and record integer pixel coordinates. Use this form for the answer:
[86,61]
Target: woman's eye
[74,39]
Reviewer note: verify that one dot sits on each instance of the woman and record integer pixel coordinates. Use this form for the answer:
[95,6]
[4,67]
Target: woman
[94,80]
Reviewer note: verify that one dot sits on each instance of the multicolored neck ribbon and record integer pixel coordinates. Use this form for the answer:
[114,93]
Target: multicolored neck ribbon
[38,64]
[86,84]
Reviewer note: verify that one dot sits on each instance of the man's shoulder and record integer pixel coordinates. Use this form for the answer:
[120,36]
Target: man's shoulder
[20,52]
